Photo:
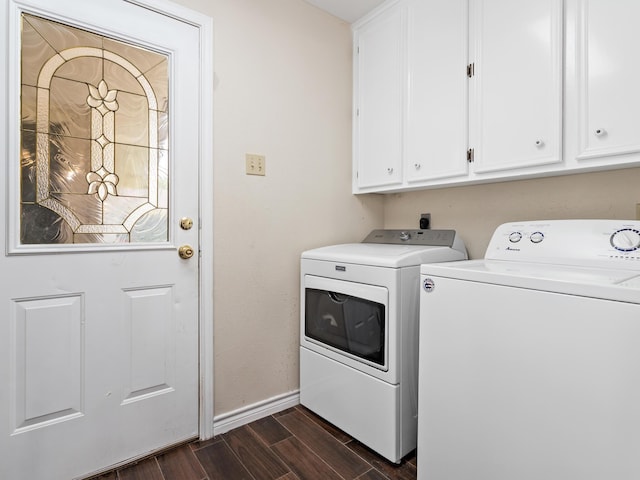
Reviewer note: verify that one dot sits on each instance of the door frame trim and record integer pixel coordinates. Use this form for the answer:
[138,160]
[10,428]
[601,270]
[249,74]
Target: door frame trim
[204,24]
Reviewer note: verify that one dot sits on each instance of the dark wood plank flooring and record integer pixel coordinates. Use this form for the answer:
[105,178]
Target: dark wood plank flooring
[294,444]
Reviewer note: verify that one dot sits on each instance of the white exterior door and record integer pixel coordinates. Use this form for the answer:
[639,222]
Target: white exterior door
[98,312]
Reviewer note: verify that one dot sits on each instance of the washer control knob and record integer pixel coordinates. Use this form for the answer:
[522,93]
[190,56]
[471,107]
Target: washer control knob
[626,240]
[515,237]
[404,236]
[536,237]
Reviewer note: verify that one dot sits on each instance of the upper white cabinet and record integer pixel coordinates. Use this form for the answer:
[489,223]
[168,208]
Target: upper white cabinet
[378,98]
[515,83]
[451,92]
[437,98]
[410,95]
[608,50]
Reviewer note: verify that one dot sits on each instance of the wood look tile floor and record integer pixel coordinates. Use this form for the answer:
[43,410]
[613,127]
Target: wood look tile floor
[294,444]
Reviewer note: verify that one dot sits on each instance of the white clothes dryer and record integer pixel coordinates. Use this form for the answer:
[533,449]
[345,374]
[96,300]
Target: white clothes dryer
[530,359]
[359,338]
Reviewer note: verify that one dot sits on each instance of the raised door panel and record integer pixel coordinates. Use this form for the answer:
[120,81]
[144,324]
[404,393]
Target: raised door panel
[436,126]
[516,89]
[609,97]
[47,356]
[149,343]
[378,101]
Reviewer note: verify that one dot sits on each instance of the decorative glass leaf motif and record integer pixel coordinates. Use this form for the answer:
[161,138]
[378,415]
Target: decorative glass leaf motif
[102,98]
[102,183]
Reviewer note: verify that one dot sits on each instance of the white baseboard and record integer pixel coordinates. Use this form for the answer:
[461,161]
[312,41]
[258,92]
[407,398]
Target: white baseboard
[236,418]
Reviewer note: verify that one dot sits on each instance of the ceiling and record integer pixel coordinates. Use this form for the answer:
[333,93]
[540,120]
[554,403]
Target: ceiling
[347,10]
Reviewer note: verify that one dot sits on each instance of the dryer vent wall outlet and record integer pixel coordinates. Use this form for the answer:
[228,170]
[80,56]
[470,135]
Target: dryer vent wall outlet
[425,221]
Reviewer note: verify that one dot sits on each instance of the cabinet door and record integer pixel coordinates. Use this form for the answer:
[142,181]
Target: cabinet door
[378,101]
[436,126]
[609,97]
[516,89]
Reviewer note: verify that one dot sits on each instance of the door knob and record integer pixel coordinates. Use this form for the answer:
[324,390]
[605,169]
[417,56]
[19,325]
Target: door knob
[185,251]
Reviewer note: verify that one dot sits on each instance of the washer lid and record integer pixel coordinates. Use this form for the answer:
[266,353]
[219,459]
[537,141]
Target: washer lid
[385,255]
[605,283]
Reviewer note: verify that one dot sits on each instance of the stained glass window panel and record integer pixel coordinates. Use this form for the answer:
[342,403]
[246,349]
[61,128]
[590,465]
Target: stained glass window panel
[94,135]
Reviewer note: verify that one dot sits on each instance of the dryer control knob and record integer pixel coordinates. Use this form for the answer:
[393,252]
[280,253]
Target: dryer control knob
[626,240]
[404,236]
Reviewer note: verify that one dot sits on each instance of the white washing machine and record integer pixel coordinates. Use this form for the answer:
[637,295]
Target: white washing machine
[359,339]
[530,359]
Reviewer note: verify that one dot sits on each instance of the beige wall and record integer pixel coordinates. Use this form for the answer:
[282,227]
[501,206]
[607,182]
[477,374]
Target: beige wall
[475,211]
[282,89]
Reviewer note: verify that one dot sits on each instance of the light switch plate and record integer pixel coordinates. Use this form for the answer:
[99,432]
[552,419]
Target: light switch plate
[255,164]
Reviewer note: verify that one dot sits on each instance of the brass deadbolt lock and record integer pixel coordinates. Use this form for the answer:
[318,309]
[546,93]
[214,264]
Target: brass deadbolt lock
[185,251]
[186,223]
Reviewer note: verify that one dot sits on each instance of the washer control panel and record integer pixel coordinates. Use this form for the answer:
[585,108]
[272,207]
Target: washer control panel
[605,243]
[626,239]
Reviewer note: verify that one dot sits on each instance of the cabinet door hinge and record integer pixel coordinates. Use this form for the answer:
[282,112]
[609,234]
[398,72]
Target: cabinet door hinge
[470,155]
[471,70]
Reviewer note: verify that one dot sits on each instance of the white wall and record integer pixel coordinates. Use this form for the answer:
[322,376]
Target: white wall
[282,89]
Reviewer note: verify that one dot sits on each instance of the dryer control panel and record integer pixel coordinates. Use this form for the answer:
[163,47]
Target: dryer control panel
[602,243]
[436,238]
